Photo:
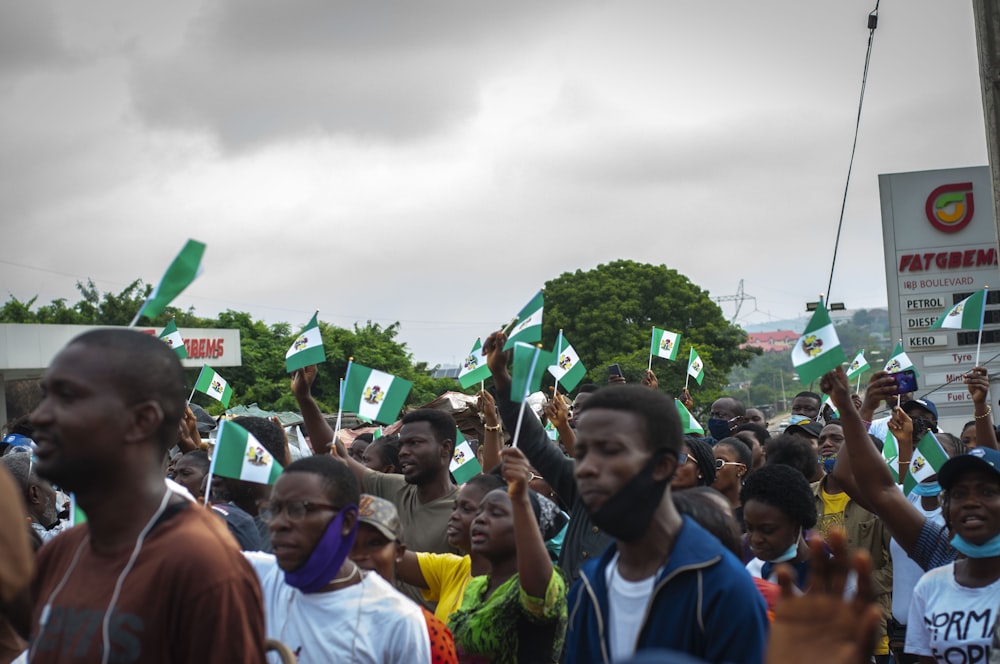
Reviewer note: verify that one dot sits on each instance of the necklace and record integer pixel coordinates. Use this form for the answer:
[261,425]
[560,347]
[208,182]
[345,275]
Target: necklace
[356,572]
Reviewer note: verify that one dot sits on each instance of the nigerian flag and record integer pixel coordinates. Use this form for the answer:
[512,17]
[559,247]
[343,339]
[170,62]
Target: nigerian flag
[464,465]
[928,457]
[823,403]
[172,338]
[859,365]
[76,515]
[899,361]
[214,385]
[688,423]
[184,269]
[374,395]
[568,370]
[528,328]
[529,367]
[665,344]
[307,349]
[966,315]
[890,452]
[696,368]
[474,368]
[818,350]
[240,456]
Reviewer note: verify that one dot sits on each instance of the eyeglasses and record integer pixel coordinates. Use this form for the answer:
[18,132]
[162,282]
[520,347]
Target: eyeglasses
[683,458]
[296,510]
[722,463]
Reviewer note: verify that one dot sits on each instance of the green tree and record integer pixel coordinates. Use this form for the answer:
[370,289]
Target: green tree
[608,313]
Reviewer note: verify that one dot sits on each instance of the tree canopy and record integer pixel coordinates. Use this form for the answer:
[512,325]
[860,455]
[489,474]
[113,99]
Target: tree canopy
[608,314]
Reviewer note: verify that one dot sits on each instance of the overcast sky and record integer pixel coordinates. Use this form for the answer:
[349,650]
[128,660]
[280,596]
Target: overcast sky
[434,163]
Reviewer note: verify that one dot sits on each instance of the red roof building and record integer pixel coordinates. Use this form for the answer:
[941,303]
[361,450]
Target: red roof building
[781,340]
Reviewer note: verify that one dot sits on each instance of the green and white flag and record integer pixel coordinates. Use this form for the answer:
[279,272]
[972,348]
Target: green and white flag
[240,456]
[696,368]
[551,431]
[307,349]
[528,328]
[818,350]
[474,368]
[665,344]
[184,269]
[529,368]
[899,361]
[927,460]
[688,423]
[214,385]
[822,406]
[859,365]
[172,338]
[890,452]
[568,370]
[966,315]
[374,394]
[464,465]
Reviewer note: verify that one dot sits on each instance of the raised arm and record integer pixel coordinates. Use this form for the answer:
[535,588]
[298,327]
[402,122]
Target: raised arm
[554,466]
[534,567]
[492,430]
[979,388]
[871,474]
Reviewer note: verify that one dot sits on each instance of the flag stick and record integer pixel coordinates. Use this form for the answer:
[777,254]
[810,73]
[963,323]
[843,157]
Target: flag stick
[211,465]
[139,313]
[652,332]
[982,318]
[195,388]
[558,353]
[858,389]
[340,408]
[524,397]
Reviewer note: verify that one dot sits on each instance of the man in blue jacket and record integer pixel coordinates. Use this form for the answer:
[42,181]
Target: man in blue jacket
[664,582]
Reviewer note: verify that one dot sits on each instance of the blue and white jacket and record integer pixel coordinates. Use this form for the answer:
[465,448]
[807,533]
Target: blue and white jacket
[704,603]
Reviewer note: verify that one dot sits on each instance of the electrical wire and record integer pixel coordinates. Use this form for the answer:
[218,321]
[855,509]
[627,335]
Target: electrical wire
[872,24]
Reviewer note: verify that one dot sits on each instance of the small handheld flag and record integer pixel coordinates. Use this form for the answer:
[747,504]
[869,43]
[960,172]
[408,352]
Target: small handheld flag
[696,368]
[184,269]
[374,395]
[307,349]
[214,385]
[928,457]
[688,422]
[529,323]
[966,315]
[240,456]
[474,368]
[172,338]
[899,361]
[464,465]
[818,350]
[568,370]
[664,344]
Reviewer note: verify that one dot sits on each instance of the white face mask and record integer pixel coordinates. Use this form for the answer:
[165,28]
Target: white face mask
[790,552]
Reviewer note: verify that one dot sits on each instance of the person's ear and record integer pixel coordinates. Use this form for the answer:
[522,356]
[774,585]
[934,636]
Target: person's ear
[400,551]
[146,417]
[350,519]
[34,496]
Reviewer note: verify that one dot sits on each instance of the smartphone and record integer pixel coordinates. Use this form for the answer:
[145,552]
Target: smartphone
[906,381]
[615,370]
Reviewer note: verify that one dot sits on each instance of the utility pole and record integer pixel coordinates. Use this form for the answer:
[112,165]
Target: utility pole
[986,14]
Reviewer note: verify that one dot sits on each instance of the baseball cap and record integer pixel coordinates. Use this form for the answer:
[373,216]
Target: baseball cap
[926,404]
[807,427]
[981,458]
[381,514]
[16,442]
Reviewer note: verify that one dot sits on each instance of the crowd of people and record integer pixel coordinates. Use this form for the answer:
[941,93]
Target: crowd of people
[621,539]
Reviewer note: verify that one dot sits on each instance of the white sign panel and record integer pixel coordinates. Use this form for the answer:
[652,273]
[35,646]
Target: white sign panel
[940,245]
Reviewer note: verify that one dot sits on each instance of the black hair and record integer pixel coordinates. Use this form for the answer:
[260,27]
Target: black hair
[365,438]
[19,465]
[742,450]
[790,450]
[144,368]
[784,488]
[810,395]
[957,446]
[339,481]
[388,453]
[970,423]
[21,425]
[587,388]
[200,457]
[877,442]
[739,407]
[700,504]
[269,434]
[441,423]
[656,411]
[702,454]
[759,432]
[487,481]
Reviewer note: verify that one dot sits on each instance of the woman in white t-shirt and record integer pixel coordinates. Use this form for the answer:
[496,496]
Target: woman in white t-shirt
[954,607]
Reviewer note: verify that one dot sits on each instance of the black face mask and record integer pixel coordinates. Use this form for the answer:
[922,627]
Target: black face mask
[626,515]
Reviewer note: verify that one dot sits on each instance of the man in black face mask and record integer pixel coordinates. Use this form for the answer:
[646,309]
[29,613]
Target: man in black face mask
[665,582]
[924,414]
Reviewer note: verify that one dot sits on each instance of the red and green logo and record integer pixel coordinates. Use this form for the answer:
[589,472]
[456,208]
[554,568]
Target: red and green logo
[950,207]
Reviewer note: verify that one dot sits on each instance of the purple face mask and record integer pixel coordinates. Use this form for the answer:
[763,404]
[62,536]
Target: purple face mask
[328,556]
